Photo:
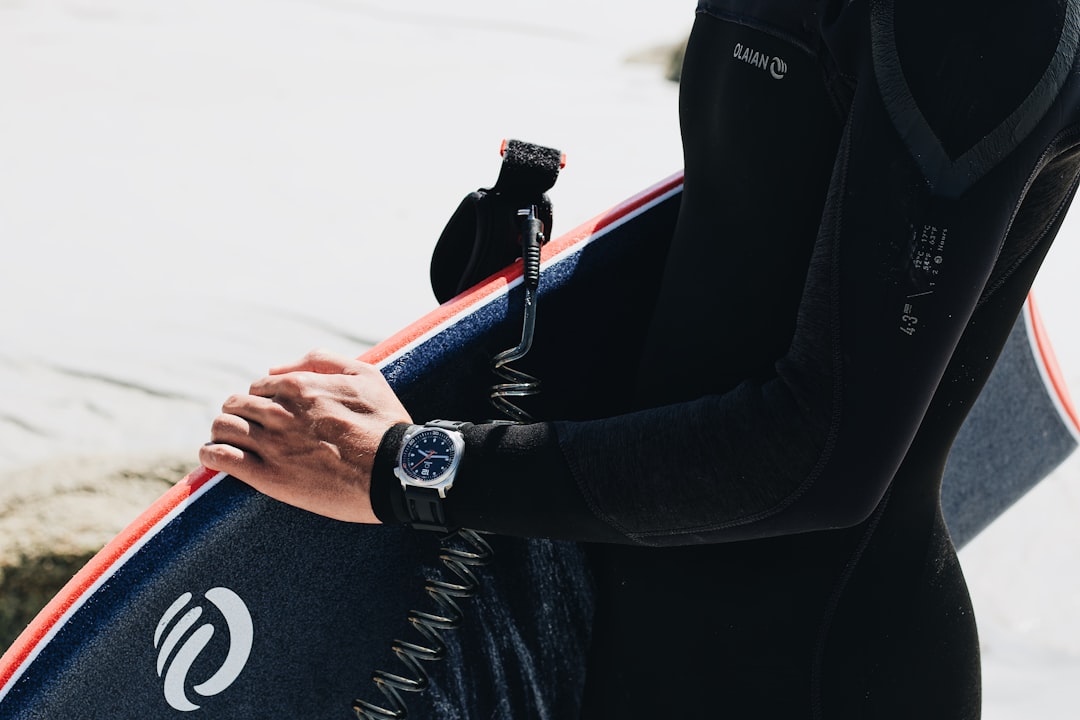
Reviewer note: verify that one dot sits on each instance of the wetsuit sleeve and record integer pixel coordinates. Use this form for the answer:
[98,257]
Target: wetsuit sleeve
[911,234]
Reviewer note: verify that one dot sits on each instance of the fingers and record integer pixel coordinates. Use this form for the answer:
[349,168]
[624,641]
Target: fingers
[359,388]
[234,430]
[306,433]
[236,433]
[321,361]
[230,459]
[258,408]
[294,390]
[234,439]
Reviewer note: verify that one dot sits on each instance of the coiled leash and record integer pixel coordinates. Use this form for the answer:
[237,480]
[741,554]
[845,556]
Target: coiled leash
[490,229]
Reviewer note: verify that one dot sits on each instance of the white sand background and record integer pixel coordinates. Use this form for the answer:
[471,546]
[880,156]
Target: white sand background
[193,191]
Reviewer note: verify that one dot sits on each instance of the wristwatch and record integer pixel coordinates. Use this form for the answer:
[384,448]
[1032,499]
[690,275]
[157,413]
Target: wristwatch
[427,463]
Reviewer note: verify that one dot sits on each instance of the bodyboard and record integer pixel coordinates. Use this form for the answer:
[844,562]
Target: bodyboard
[219,602]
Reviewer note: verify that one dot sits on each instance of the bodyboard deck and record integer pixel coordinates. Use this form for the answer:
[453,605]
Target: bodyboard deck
[220,601]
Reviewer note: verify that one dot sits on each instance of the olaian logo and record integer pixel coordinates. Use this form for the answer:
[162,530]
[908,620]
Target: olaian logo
[178,650]
[775,65]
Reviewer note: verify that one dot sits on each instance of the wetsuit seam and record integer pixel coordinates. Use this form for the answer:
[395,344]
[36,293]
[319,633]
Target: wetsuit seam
[1032,247]
[590,501]
[1061,145]
[830,74]
[947,175]
[836,395]
[760,26]
[808,483]
[839,86]
[817,671]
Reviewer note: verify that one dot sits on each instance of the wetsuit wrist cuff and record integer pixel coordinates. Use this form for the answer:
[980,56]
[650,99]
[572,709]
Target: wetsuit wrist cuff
[386,499]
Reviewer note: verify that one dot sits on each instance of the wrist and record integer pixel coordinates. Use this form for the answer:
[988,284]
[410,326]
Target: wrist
[387,501]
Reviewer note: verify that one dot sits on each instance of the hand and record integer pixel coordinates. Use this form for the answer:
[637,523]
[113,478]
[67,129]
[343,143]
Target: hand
[307,434]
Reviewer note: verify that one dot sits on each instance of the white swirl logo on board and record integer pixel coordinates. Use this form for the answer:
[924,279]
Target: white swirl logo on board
[180,647]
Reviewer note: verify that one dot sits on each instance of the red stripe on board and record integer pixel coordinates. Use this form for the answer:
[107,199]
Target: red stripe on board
[101,563]
[98,566]
[1050,362]
[500,280]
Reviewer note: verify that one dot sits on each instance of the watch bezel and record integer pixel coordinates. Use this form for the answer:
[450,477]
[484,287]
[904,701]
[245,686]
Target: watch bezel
[445,480]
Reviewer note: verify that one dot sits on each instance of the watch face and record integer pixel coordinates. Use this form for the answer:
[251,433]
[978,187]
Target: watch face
[428,456]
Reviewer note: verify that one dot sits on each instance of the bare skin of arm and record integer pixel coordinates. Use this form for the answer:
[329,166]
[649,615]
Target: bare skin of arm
[307,433]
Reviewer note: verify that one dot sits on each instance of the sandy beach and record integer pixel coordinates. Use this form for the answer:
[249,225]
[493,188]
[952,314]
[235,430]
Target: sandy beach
[193,192]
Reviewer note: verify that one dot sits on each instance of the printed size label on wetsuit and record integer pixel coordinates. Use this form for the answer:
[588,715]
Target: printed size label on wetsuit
[927,260]
[929,251]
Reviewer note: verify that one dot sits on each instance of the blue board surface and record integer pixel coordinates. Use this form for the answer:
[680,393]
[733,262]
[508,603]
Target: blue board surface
[222,603]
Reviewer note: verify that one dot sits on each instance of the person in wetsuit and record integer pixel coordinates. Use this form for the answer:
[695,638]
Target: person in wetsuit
[870,188]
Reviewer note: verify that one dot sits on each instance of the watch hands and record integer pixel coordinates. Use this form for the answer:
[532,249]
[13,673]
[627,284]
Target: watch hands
[423,460]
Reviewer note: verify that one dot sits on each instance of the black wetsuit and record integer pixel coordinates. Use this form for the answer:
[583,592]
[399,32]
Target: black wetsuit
[870,188]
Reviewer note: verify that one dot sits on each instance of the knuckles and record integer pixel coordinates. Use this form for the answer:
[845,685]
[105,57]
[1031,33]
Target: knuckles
[223,423]
[320,356]
[217,456]
[291,386]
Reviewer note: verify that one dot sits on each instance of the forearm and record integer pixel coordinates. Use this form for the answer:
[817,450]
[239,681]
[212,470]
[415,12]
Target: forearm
[513,480]
[908,244]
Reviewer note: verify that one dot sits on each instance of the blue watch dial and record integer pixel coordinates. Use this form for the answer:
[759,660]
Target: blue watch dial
[428,455]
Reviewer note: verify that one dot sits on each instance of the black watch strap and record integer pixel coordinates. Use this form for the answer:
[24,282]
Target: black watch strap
[425,505]
[425,508]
